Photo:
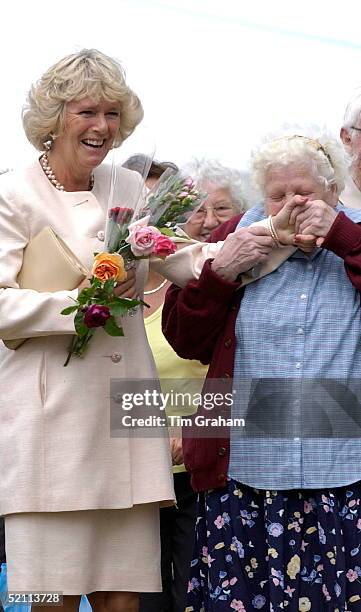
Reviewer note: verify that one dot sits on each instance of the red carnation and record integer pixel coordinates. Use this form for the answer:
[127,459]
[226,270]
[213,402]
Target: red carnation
[120,215]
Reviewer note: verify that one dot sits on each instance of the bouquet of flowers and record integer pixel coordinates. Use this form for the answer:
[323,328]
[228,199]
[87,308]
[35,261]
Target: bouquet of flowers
[130,234]
[145,233]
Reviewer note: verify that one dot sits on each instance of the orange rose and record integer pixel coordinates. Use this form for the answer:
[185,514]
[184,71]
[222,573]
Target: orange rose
[109,265]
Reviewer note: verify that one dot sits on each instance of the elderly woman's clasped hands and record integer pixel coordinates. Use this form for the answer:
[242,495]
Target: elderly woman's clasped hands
[304,223]
[301,222]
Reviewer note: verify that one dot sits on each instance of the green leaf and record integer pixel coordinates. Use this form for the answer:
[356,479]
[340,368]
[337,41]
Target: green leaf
[69,310]
[87,293]
[109,286]
[95,282]
[128,303]
[166,231]
[112,328]
[117,309]
[80,327]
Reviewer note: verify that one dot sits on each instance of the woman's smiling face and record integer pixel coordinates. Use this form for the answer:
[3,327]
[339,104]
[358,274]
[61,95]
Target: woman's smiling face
[89,131]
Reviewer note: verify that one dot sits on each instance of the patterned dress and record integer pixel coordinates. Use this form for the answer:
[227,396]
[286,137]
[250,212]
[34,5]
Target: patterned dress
[277,550]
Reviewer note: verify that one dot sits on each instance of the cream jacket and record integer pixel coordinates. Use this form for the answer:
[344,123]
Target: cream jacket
[56,453]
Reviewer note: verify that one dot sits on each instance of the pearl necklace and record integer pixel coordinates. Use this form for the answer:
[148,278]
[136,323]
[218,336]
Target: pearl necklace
[44,160]
[157,288]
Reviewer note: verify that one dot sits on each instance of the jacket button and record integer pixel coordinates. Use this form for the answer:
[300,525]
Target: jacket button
[221,477]
[228,343]
[101,235]
[116,357]
[221,451]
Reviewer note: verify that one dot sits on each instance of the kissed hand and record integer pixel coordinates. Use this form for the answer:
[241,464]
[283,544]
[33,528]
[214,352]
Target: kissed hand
[282,221]
[304,223]
[315,219]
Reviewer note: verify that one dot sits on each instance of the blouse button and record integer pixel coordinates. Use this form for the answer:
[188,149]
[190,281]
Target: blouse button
[101,235]
[116,357]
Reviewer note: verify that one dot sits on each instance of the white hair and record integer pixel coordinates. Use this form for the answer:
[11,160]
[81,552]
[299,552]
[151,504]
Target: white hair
[353,110]
[350,120]
[211,170]
[311,147]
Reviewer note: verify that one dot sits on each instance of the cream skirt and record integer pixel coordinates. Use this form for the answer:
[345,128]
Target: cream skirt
[86,551]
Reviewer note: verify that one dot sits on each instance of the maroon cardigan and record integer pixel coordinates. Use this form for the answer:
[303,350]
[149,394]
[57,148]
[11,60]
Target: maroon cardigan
[199,323]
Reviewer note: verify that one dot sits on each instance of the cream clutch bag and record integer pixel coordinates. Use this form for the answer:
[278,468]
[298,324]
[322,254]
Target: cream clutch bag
[48,265]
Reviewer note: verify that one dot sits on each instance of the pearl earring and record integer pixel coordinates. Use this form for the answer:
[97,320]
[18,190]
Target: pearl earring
[47,145]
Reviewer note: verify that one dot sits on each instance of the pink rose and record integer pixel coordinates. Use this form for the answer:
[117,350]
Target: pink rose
[164,246]
[142,238]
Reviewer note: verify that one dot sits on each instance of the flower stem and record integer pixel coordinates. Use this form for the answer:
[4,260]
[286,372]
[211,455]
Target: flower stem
[78,345]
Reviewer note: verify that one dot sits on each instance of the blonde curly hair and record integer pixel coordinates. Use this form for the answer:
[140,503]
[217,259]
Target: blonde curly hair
[88,73]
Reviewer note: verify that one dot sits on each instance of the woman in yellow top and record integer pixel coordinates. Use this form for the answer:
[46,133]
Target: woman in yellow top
[183,376]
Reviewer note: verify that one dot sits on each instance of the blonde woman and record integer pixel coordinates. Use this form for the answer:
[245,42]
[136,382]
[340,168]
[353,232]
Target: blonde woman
[81,514]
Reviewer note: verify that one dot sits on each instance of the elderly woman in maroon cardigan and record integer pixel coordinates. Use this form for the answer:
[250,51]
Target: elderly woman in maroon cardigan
[279,513]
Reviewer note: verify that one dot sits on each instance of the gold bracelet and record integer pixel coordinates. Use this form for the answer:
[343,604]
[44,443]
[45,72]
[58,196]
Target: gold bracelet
[273,231]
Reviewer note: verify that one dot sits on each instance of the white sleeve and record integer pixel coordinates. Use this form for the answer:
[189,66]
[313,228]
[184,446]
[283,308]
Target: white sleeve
[187,263]
[25,313]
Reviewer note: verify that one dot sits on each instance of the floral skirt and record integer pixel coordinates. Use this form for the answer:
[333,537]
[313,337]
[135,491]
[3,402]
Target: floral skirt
[277,550]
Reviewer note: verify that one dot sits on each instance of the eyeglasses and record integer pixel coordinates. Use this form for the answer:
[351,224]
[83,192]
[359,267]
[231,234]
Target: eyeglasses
[222,211]
[352,127]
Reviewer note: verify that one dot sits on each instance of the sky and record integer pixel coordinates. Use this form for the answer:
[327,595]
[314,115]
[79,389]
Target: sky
[213,77]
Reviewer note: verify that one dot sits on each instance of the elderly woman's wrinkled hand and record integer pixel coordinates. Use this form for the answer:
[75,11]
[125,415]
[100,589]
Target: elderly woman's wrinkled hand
[282,223]
[241,251]
[315,219]
[127,289]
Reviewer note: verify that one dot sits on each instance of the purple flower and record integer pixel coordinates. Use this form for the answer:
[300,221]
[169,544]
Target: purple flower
[275,529]
[96,315]
[258,601]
